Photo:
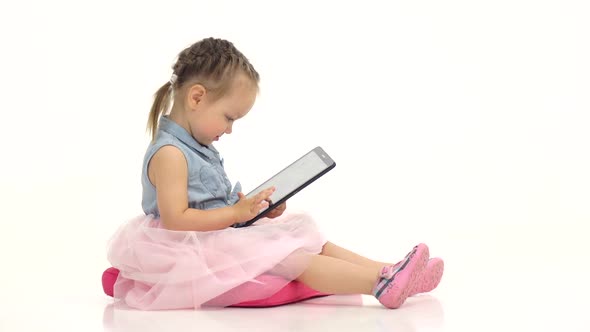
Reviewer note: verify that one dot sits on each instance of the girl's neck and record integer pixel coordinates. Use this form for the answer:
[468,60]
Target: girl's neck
[177,115]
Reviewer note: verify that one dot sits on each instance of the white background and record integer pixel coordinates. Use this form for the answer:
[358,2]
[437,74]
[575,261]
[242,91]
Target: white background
[462,124]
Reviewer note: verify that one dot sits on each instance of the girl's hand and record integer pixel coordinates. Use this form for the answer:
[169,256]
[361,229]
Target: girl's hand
[278,211]
[247,208]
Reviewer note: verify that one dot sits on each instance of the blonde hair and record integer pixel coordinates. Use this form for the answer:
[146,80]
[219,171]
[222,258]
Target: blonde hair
[211,62]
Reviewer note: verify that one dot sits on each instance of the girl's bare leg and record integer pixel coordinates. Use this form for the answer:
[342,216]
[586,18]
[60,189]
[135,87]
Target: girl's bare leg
[332,250]
[336,276]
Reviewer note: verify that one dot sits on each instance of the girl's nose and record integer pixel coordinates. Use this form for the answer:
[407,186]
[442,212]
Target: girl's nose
[228,129]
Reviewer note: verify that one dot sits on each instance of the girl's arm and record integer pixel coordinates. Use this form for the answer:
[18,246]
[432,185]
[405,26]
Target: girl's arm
[168,172]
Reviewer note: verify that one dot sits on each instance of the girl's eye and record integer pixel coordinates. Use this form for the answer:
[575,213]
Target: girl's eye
[228,118]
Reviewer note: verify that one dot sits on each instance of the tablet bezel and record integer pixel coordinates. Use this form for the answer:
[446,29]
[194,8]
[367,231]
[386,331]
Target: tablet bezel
[330,164]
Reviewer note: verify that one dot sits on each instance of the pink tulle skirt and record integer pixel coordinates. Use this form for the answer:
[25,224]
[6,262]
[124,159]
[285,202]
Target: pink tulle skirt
[163,269]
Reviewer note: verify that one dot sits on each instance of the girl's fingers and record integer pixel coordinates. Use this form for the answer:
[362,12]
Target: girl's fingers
[263,195]
[259,198]
[256,207]
[260,206]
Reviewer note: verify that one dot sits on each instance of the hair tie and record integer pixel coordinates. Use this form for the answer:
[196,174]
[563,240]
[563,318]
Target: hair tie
[173,79]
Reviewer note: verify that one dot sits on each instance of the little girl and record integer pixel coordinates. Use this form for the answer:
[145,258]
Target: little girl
[187,250]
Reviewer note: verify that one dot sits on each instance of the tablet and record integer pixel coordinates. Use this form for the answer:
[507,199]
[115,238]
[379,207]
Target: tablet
[292,179]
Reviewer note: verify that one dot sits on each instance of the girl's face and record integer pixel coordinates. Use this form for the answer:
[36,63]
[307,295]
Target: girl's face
[210,119]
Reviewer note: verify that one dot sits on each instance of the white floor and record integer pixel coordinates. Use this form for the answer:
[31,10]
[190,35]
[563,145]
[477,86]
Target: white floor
[503,279]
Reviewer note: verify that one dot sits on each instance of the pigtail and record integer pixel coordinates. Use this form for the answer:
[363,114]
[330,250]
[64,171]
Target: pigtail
[161,101]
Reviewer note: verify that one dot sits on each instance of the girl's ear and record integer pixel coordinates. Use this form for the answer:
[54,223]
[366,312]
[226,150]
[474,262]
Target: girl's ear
[195,95]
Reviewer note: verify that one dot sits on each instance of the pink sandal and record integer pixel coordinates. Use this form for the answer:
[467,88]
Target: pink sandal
[396,282]
[430,277]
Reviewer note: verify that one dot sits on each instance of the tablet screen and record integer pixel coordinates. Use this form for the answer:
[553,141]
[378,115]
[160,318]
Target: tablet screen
[295,175]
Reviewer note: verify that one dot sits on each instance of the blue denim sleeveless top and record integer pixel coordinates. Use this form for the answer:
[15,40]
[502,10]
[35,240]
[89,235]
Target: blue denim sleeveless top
[208,185]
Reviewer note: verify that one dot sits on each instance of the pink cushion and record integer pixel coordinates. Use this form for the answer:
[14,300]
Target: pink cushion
[294,291]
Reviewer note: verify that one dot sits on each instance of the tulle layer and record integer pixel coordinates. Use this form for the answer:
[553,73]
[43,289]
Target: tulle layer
[163,269]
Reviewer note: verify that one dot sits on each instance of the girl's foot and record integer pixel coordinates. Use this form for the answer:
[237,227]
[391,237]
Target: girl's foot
[430,277]
[395,282]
